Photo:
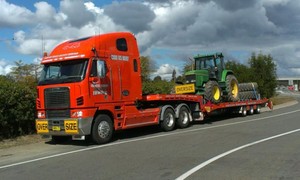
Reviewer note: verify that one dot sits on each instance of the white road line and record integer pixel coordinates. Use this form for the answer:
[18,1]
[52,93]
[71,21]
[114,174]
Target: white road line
[141,139]
[202,165]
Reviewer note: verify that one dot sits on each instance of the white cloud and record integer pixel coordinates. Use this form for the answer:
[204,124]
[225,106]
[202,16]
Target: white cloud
[165,71]
[5,68]
[12,15]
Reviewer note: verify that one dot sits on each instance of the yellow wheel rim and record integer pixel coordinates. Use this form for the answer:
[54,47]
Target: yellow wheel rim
[216,93]
[235,89]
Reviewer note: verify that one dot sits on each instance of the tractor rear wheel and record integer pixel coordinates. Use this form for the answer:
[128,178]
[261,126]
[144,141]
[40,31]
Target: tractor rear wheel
[232,88]
[212,92]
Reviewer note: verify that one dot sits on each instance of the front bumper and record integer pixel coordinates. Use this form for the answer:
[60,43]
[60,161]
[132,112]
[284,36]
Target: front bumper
[68,126]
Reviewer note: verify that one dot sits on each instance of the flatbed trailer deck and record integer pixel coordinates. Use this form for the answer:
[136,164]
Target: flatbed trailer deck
[206,107]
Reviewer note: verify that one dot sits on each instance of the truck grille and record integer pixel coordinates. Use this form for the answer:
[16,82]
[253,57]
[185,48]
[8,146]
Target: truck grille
[190,78]
[57,102]
[58,113]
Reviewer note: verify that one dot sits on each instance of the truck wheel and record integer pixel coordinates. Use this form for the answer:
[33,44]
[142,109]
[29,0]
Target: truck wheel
[257,110]
[212,92]
[168,122]
[244,111]
[183,120]
[232,88]
[102,129]
[251,110]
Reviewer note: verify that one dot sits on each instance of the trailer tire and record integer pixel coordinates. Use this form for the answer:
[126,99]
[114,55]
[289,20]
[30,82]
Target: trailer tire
[244,111]
[102,129]
[232,88]
[212,92]
[183,120]
[258,109]
[251,110]
[168,120]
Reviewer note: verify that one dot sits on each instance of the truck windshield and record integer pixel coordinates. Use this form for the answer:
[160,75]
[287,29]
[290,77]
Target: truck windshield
[63,72]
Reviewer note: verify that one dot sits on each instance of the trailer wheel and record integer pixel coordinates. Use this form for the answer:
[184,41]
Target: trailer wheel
[183,120]
[257,110]
[168,122]
[244,111]
[251,110]
[102,129]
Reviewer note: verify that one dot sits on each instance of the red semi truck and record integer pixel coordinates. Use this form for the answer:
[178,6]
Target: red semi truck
[92,87]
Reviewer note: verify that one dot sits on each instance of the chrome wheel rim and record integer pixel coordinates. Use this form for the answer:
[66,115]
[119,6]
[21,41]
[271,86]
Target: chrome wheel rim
[103,129]
[170,120]
[184,117]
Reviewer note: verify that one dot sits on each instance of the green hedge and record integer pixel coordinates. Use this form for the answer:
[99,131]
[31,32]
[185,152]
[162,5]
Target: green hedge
[17,108]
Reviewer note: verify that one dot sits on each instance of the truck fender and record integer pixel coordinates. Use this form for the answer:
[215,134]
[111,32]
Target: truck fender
[163,109]
[177,109]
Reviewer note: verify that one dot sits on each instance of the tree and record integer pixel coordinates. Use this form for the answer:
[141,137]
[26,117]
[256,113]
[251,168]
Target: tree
[174,75]
[189,65]
[157,78]
[147,67]
[241,71]
[25,73]
[17,108]
[263,71]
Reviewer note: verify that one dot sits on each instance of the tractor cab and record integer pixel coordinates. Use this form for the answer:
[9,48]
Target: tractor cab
[214,64]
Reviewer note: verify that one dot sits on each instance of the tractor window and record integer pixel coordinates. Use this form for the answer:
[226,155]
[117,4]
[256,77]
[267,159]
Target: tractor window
[122,44]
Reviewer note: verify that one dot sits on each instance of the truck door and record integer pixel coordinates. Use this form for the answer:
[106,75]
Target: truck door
[99,81]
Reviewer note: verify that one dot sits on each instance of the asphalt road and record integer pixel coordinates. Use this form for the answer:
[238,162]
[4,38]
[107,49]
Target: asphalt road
[264,146]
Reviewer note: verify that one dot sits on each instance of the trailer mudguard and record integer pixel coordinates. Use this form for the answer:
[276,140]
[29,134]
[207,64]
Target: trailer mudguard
[163,109]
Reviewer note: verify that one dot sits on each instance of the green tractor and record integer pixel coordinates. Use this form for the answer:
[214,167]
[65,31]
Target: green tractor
[210,78]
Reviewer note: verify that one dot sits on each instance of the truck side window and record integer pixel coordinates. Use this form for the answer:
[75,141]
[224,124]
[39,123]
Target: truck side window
[98,69]
[122,44]
[135,65]
[101,71]
[94,69]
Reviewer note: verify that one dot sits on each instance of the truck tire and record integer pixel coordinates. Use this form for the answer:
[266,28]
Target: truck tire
[183,120]
[244,111]
[212,92]
[232,88]
[251,110]
[258,109]
[247,95]
[102,129]
[248,86]
[168,120]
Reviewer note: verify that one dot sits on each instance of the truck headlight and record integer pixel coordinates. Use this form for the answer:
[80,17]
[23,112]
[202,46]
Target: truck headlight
[41,114]
[77,114]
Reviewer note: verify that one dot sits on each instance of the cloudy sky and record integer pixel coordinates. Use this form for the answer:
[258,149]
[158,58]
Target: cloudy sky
[169,31]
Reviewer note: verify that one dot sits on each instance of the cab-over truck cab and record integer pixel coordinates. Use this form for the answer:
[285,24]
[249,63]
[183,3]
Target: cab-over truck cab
[88,84]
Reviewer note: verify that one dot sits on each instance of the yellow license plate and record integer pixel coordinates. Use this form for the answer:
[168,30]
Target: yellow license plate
[41,126]
[71,126]
[187,88]
[55,128]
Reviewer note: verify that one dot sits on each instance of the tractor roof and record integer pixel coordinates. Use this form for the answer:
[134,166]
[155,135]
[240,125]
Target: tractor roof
[208,55]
